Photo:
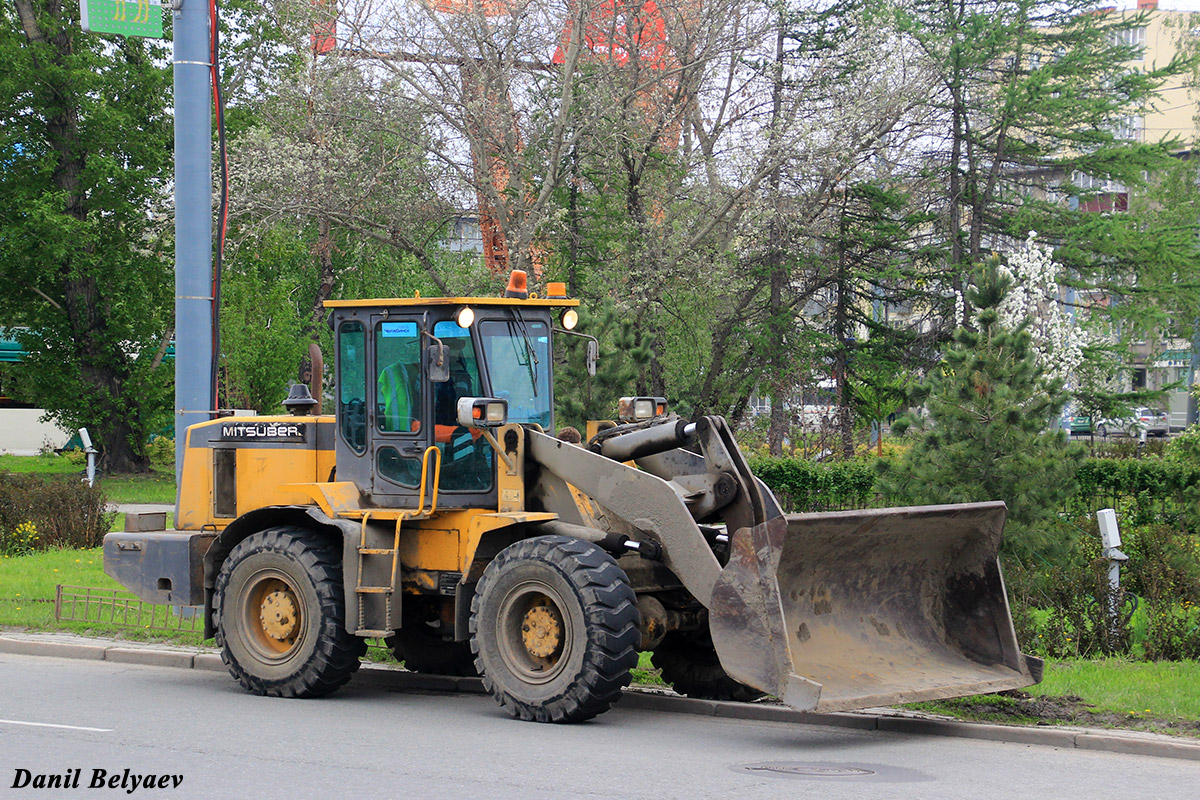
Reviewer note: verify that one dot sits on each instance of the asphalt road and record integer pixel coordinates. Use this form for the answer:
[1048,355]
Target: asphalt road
[371,741]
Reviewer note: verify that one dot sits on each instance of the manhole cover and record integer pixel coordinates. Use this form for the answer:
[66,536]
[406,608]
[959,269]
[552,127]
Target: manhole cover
[809,770]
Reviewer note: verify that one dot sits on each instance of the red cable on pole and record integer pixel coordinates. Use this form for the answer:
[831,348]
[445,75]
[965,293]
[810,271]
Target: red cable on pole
[223,203]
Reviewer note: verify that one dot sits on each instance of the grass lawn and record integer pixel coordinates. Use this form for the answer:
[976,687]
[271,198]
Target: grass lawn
[156,486]
[1165,688]
[27,591]
[1108,693]
[43,465]
[153,487]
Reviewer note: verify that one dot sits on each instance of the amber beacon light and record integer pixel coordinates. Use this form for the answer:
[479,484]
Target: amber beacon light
[518,284]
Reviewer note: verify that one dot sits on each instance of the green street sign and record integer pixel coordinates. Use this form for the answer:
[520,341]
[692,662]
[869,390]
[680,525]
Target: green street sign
[133,18]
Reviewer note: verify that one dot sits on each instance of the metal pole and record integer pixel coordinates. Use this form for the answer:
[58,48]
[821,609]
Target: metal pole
[1193,368]
[193,221]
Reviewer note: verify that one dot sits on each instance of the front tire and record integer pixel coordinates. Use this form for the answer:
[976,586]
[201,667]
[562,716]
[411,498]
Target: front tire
[280,615]
[554,626]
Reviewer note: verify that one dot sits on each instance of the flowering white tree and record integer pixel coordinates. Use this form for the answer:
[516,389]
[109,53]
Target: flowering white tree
[1036,295]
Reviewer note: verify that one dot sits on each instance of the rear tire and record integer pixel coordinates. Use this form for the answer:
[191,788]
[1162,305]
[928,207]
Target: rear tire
[554,626]
[280,615]
[689,663]
[422,649]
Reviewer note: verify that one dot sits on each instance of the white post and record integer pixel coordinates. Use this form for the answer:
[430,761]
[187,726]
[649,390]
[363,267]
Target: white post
[1110,536]
[91,456]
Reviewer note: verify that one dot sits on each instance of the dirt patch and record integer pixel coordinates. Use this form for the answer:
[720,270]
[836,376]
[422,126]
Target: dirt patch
[1022,708]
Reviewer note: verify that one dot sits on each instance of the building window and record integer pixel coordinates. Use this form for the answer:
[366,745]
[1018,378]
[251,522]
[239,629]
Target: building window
[1130,37]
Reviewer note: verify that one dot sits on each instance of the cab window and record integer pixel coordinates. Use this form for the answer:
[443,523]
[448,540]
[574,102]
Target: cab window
[398,385]
[352,385]
[467,458]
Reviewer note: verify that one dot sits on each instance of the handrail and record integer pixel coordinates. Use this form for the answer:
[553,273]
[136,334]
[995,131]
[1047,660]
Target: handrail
[437,478]
[362,537]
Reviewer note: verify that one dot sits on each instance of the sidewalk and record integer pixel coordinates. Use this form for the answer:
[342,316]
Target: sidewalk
[67,645]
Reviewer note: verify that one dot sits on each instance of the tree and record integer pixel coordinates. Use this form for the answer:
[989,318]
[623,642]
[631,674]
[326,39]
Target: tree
[874,261]
[339,150]
[85,152]
[1029,110]
[581,397]
[262,330]
[985,438]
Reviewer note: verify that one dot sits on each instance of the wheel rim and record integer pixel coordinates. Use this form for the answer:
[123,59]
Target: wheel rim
[273,615]
[536,634]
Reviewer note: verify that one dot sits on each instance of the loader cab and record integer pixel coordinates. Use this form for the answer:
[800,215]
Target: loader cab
[402,366]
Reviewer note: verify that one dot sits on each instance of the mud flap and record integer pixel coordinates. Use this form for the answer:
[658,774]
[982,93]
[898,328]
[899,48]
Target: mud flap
[861,608]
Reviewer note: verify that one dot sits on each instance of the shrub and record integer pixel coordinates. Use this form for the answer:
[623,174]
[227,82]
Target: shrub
[1173,632]
[800,485]
[19,541]
[62,513]
[1129,447]
[1062,607]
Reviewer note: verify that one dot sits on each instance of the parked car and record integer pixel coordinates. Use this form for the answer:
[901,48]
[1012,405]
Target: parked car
[1081,426]
[1150,420]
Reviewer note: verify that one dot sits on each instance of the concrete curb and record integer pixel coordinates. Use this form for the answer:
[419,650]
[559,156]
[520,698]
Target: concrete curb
[397,680]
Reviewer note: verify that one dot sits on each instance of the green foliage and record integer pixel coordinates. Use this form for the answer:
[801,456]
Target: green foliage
[262,333]
[20,541]
[1062,608]
[85,143]
[38,513]
[1063,604]
[985,439]
[619,372]
[1111,478]
[1184,448]
[800,485]
[1032,86]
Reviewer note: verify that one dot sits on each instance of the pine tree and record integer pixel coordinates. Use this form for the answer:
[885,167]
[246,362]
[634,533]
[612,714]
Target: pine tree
[985,438]
[1030,104]
[619,370]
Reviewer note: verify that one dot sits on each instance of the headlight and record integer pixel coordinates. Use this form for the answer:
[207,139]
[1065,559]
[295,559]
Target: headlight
[637,409]
[482,412]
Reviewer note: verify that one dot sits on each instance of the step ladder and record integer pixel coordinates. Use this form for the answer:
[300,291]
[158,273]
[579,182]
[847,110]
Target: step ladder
[365,552]
[387,591]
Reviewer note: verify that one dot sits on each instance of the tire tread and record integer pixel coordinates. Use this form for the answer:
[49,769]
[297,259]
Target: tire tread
[337,653]
[613,620]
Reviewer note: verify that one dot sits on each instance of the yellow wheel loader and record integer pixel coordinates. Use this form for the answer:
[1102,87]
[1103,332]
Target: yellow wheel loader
[435,509]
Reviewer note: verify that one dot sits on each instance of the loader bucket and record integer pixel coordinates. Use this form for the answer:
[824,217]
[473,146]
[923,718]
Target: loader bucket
[863,608]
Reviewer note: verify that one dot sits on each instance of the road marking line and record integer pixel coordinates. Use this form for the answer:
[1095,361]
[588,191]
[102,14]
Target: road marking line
[52,725]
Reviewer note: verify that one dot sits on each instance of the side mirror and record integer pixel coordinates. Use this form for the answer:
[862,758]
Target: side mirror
[593,355]
[437,363]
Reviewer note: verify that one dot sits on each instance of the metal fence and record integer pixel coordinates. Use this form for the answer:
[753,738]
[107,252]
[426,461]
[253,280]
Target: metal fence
[121,609]
[114,607]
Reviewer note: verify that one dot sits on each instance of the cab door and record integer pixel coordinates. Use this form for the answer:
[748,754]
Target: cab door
[399,402]
[412,414]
